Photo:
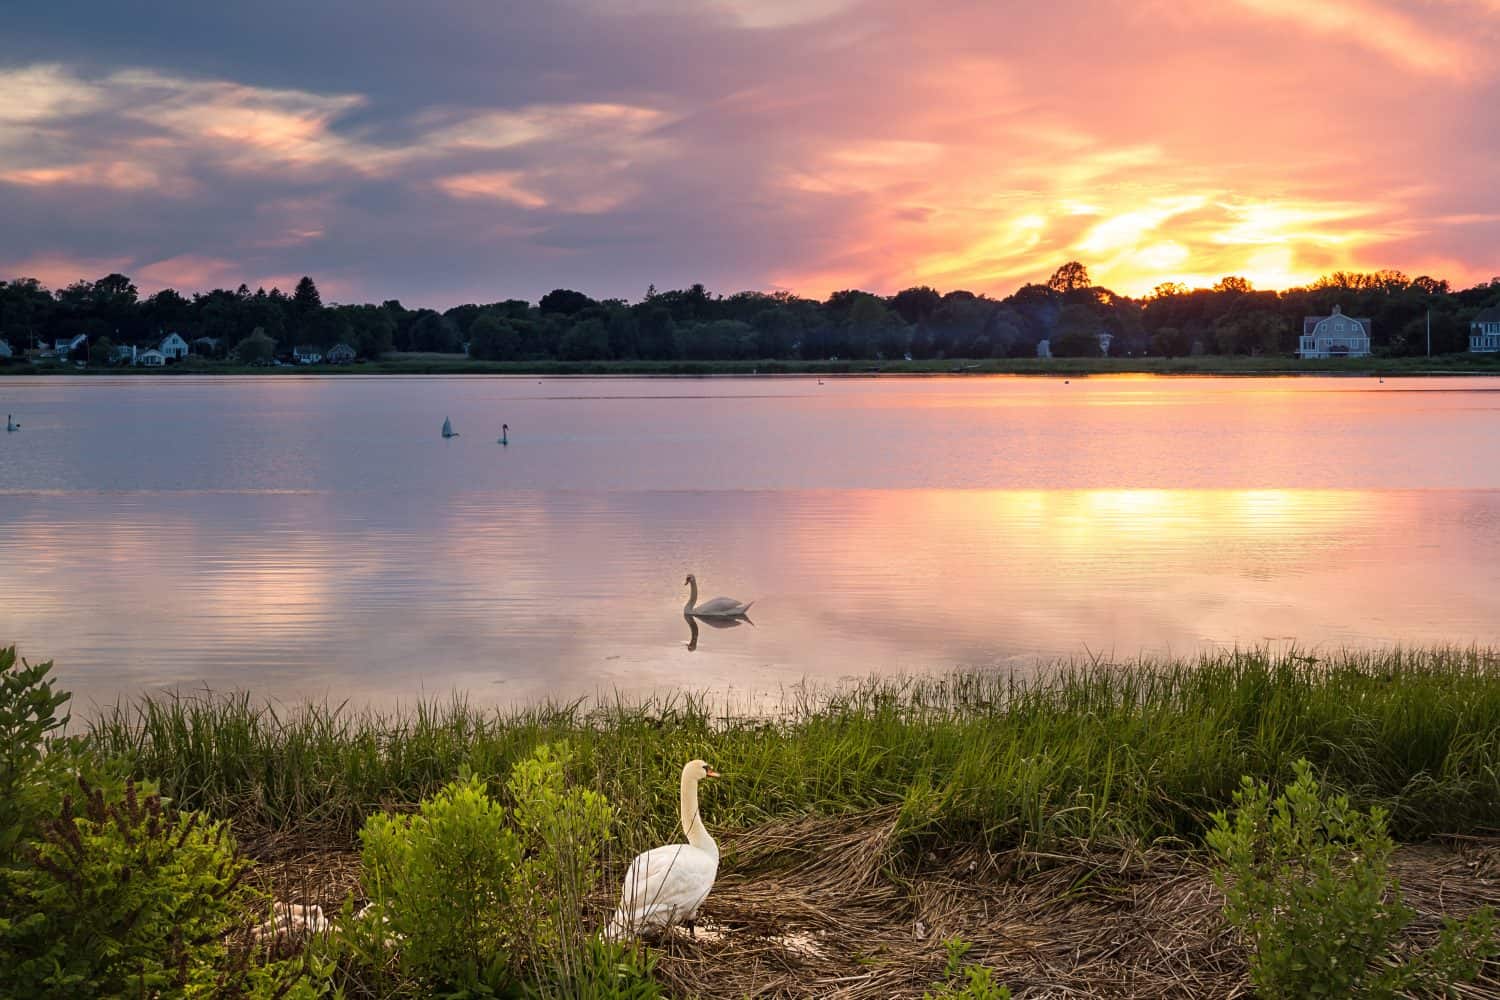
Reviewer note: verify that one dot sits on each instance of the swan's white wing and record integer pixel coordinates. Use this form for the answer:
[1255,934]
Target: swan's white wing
[721,606]
[664,886]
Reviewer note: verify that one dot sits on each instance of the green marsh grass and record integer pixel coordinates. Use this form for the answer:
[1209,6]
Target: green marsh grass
[1099,753]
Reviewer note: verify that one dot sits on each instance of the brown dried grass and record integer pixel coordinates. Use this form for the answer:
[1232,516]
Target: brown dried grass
[822,907]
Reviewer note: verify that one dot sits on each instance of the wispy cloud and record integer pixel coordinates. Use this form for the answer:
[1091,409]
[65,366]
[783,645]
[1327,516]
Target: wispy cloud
[606,144]
[1402,40]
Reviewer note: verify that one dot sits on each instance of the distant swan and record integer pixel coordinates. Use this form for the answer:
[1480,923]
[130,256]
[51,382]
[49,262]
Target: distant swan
[719,607]
[666,885]
[505,434]
[10,423]
[448,431]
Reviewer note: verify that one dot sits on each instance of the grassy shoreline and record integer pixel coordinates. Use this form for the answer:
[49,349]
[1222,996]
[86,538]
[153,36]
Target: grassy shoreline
[1457,364]
[1056,826]
[1136,753]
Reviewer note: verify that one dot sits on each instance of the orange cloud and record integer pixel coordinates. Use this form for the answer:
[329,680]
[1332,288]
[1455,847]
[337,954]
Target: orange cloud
[60,270]
[492,130]
[44,92]
[1400,40]
[814,146]
[190,271]
[497,185]
[116,175]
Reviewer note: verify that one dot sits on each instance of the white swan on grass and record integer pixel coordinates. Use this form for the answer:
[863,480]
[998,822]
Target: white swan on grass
[718,607]
[666,885]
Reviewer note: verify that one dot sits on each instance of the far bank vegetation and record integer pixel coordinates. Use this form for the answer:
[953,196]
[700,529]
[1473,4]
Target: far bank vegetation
[694,325]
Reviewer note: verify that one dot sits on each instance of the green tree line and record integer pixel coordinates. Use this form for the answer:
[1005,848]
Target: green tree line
[1069,311]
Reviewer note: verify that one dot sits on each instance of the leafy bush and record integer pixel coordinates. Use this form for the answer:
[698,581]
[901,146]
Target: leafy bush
[963,980]
[474,898]
[130,898]
[439,884]
[562,831]
[28,716]
[1307,881]
[116,895]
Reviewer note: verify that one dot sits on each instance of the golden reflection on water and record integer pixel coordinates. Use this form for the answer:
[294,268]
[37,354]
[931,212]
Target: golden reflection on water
[315,536]
[532,594]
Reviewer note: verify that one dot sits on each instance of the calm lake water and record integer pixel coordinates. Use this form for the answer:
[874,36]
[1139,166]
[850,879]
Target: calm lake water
[315,536]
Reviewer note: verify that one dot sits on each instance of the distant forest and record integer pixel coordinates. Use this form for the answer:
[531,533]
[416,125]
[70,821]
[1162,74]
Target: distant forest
[1069,311]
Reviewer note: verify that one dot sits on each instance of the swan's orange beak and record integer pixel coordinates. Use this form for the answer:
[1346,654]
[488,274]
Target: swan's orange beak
[712,773]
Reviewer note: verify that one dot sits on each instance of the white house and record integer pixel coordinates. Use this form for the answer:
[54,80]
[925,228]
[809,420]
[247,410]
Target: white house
[173,347]
[151,358]
[1484,331]
[124,352]
[306,355]
[65,347]
[1334,336]
[340,354]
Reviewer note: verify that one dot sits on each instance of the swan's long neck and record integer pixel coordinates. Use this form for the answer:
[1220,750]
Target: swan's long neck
[692,820]
[688,609]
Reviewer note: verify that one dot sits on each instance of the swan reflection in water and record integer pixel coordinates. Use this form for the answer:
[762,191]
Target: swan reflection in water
[692,624]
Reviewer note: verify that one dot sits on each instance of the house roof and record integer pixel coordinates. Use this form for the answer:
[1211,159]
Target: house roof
[1310,323]
[1490,315]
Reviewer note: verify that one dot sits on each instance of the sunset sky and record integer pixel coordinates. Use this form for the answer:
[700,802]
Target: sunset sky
[469,150]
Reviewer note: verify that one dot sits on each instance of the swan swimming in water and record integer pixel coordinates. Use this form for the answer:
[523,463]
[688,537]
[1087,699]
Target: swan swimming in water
[666,885]
[448,431]
[505,434]
[718,607]
[10,423]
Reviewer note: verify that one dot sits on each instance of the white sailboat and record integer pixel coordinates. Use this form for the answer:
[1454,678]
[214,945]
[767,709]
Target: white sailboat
[10,423]
[448,431]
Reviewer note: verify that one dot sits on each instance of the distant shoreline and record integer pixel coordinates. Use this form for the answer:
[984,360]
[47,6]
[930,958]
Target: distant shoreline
[1460,364]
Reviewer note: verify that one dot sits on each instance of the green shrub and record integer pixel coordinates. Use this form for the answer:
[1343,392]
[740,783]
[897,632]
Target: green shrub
[28,774]
[476,900]
[116,895]
[439,884]
[128,897]
[562,831]
[964,980]
[1307,882]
